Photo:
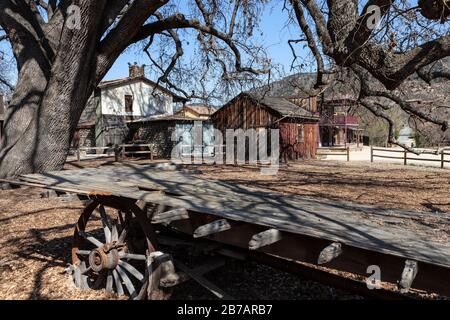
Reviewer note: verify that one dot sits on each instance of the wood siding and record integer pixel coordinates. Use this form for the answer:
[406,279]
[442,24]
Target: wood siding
[290,147]
[307,103]
[244,113]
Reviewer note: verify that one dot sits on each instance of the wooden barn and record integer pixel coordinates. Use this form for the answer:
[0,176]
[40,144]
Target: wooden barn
[296,118]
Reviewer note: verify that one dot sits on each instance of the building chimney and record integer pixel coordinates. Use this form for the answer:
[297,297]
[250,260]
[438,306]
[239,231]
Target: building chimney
[136,71]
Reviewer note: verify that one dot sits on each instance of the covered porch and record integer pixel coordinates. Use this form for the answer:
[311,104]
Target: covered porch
[340,130]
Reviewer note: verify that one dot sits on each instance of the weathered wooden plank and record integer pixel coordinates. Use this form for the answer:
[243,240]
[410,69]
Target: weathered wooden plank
[311,206]
[211,228]
[349,224]
[306,249]
[265,238]
[170,216]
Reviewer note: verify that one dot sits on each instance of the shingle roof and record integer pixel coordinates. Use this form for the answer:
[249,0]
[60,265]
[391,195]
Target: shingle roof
[283,106]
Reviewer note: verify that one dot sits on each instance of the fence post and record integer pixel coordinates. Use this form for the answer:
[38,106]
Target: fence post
[78,155]
[116,152]
[371,153]
[348,154]
[405,157]
[442,160]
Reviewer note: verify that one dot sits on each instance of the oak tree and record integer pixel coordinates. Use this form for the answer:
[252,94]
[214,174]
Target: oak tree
[64,48]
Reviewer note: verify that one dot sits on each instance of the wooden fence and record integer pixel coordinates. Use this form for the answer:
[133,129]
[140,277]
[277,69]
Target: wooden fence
[404,156]
[334,152]
[118,151]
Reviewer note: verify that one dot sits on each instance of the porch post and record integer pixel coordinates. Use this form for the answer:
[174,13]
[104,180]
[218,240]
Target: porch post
[345,135]
[358,132]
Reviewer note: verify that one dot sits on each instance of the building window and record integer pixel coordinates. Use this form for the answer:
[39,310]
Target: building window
[300,133]
[128,103]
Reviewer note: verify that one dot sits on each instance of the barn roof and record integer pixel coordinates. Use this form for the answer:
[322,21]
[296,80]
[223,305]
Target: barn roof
[283,106]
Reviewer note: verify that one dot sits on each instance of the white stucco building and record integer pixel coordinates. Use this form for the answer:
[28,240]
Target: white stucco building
[135,97]
[117,102]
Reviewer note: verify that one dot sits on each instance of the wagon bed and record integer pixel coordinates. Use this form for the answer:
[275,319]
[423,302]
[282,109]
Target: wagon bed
[405,245]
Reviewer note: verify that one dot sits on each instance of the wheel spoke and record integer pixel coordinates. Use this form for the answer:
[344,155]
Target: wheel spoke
[126,281]
[131,256]
[123,235]
[119,213]
[77,276]
[109,283]
[83,252]
[86,271]
[114,233]
[90,238]
[83,278]
[105,223]
[131,270]
[118,282]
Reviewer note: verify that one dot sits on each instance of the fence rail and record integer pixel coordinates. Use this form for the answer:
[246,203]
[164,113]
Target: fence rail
[405,157]
[334,152]
[119,151]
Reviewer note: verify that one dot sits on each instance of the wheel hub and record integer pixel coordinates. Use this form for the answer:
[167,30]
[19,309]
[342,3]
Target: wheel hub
[104,258]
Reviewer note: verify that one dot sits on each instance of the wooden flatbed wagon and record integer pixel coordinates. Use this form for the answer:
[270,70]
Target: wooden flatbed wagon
[132,202]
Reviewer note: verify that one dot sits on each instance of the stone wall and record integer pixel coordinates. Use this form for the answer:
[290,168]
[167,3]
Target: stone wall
[84,137]
[156,133]
[87,137]
[114,130]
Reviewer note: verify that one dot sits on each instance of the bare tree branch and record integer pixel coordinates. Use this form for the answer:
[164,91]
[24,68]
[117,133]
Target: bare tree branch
[320,82]
[349,38]
[180,22]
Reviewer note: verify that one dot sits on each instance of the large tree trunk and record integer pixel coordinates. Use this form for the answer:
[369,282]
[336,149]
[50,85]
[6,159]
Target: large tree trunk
[59,65]
[48,101]
[40,124]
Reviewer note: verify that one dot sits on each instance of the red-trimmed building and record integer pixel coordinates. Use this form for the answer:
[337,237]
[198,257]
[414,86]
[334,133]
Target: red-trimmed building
[336,126]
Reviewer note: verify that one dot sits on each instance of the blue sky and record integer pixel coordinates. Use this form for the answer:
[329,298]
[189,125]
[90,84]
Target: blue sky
[274,36]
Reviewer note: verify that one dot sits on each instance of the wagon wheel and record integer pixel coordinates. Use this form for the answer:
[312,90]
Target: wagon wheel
[116,255]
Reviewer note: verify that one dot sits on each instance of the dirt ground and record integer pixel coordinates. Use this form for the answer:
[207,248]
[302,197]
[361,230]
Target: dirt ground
[36,232]
[384,185]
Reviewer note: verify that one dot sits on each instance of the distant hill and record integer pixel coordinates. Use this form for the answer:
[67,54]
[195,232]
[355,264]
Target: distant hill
[347,87]
[302,84]
[433,98]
